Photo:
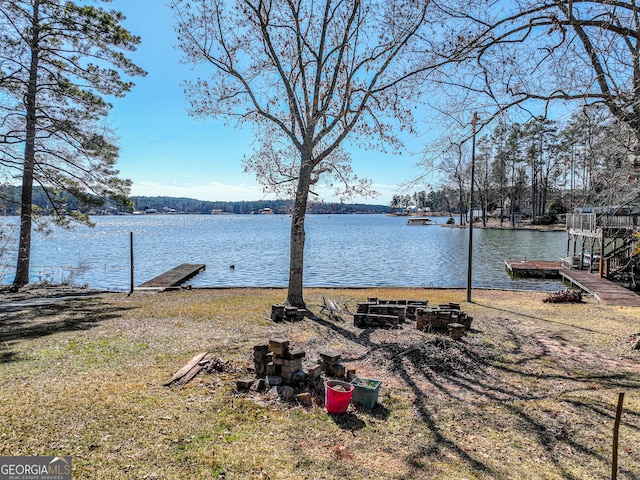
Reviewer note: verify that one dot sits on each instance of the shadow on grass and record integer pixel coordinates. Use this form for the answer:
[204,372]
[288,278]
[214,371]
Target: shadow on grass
[533,317]
[42,321]
[442,438]
[379,411]
[347,421]
[523,370]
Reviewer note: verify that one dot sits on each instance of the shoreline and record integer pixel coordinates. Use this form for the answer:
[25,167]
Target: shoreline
[54,292]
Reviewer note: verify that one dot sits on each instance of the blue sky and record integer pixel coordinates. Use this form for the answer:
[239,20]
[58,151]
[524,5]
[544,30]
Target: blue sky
[166,152]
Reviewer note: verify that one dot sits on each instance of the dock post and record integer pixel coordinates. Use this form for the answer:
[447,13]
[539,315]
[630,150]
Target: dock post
[131,267]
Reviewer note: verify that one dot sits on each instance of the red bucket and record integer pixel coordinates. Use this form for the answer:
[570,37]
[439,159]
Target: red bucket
[337,396]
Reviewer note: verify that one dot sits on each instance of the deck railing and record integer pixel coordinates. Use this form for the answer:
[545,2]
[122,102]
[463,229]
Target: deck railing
[593,222]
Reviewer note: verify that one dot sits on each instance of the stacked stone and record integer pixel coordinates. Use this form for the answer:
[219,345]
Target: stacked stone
[277,312]
[377,313]
[331,366]
[456,330]
[421,319]
[260,359]
[407,307]
[315,380]
[279,369]
[413,306]
[372,315]
[286,363]
[439,319]
[281,313]
[280,364]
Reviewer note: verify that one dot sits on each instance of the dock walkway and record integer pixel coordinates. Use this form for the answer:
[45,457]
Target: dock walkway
[173,277]
[603,290]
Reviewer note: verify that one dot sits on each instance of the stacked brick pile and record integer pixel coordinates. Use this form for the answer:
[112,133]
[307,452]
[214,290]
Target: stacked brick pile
[331,366]
[412,305]
[277,360]
[386,313]
[282,313]
[280,369]
[443,318]
[276,365]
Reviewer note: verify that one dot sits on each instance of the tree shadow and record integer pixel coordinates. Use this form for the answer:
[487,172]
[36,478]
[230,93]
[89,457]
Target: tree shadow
[364,339]
[42,321]
[504,380]
[533,317]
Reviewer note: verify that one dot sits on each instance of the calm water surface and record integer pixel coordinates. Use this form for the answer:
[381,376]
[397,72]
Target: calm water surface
[342,250]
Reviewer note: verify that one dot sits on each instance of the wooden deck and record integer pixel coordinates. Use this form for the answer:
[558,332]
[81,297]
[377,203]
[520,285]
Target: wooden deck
[173,277]
[603,290]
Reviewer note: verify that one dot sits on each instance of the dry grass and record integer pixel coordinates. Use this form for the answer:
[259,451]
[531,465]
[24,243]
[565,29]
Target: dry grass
[530,393]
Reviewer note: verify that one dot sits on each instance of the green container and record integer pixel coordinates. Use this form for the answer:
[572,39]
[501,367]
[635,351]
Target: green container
[365,391]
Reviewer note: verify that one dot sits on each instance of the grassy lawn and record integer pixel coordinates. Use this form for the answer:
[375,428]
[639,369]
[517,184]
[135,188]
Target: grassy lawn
[529,393]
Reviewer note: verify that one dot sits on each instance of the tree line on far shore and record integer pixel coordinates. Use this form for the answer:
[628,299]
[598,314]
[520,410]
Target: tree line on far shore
[190,205]
[10,205]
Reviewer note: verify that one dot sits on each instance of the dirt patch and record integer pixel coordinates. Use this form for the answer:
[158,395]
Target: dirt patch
[39,290]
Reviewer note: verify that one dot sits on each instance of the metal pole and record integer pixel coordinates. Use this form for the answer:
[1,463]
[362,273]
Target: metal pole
[473,168]
[131,261]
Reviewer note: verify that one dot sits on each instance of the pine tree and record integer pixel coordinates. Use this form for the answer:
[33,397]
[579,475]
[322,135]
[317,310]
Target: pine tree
[58,60]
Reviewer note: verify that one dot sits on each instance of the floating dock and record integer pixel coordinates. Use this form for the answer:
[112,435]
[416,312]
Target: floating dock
[603,290]
[420,221]
[173,278]
[534,268]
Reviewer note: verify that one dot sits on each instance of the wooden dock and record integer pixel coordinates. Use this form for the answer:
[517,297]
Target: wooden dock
[173,278]
[420,221]
[603,290]
[534,268]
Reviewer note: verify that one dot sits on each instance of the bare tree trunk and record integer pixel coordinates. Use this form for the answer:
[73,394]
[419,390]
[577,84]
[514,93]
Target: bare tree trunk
[512,214]
[297,238]
[26,202]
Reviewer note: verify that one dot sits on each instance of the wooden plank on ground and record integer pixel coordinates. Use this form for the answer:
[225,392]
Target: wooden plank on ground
[186,369]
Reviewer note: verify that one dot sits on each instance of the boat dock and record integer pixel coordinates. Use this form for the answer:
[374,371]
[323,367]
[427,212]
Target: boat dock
[420,221]
[603,290]
[534,268]
[173,278]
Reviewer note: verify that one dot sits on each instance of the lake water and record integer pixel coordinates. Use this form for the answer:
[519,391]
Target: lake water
[341,250]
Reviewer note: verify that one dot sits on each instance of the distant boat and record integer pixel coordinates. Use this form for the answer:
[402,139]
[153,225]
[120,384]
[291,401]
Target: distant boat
[266,211]
[420,221]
